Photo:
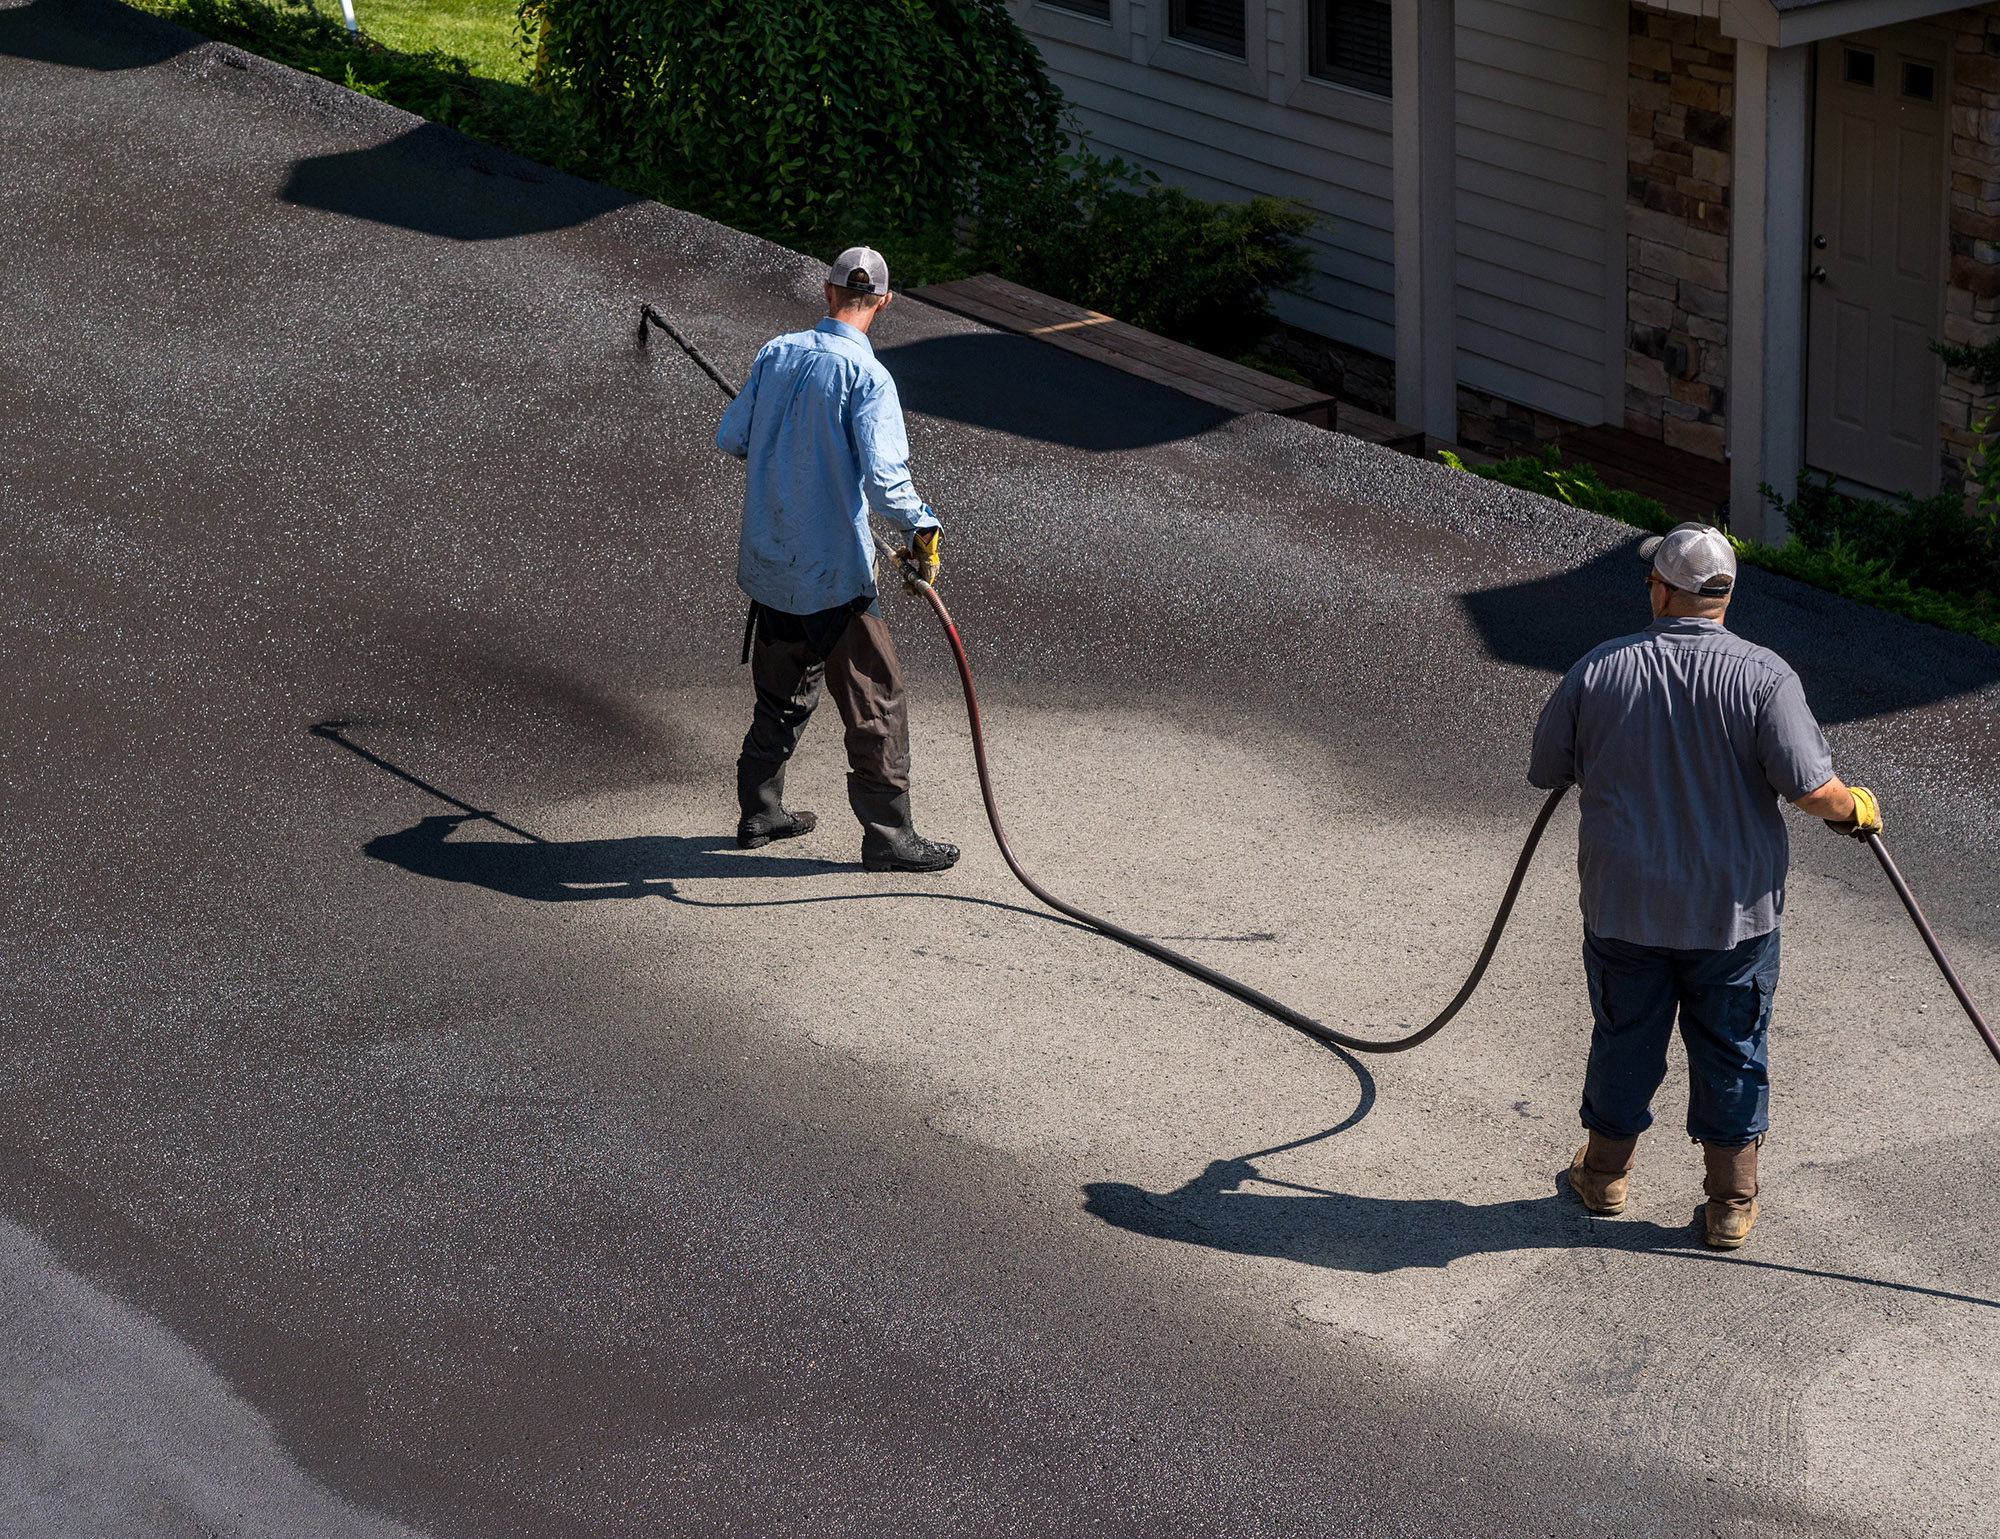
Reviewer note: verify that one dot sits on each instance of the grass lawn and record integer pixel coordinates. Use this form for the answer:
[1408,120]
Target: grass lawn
[481,32]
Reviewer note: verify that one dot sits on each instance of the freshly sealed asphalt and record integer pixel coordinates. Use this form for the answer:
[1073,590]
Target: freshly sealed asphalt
[372,1170]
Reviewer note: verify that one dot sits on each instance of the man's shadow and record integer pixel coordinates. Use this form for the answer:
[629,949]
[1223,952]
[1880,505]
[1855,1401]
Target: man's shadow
[577,870]
[1348,1233]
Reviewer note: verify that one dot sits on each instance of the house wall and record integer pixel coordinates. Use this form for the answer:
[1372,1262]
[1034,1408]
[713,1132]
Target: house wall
[1540,118]
[1231,129]
[1540,123]
[1681,102]
[1549,312]
[1972,297]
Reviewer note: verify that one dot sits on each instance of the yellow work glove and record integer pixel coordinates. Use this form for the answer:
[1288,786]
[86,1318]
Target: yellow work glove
[926,555]
[1867,818]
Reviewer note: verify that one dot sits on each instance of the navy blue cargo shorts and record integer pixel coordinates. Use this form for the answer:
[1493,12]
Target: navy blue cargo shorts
[1723,999]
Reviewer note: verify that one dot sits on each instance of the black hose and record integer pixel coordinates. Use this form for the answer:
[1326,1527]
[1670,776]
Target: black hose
[1256,998]
[1937,952]
[648,313]
[1236,989]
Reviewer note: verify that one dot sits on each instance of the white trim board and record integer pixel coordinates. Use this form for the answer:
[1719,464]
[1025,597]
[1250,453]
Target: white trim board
[1785,26]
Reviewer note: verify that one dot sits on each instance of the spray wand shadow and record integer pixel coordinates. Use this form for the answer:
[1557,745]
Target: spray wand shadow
[542,870]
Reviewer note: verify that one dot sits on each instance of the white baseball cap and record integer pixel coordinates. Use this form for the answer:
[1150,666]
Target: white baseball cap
[1694,558]
[860,268]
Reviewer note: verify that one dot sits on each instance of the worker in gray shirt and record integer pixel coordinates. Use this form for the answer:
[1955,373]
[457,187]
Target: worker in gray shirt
[1683,740]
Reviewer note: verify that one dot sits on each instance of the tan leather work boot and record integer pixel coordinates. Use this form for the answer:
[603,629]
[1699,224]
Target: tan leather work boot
[1731,1184]
[1599,1171]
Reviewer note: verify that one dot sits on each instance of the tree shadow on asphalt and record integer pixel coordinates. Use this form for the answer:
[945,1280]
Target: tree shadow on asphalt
[436,181]
[1550,622]
[1026,389]
[89,34]
[1343,1232]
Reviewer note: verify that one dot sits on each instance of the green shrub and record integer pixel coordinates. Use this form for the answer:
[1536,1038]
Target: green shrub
[1578,485]
[1841,544]
[925,127]
[1837,569]
[1102,234]
[802,120]
[432,84]
[1929,540]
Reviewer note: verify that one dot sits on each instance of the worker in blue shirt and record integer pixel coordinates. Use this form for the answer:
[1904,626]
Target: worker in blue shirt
[1684,740]
[820,429]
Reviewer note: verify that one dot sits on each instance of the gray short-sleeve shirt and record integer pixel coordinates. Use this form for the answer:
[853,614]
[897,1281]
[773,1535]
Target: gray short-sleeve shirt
[1682,740]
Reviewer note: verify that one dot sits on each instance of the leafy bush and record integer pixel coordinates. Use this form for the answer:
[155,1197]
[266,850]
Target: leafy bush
[1837,569]
[925,127]
[432,84]
[798,119]
[1102,234]
[1841,544]
[1930,540]
[1578,485]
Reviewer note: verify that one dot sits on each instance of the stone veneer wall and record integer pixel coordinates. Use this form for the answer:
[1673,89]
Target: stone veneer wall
[1485,422]
[1680,108]
[1972,292]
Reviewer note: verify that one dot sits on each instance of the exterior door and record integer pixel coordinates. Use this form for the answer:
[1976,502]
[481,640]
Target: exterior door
[1876,289]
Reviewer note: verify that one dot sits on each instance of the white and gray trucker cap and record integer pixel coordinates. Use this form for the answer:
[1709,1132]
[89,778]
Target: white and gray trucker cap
[1695,558]
[860,268]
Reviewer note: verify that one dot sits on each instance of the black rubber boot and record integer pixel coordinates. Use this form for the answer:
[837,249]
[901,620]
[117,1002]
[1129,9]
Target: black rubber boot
[888,841]
[760,792]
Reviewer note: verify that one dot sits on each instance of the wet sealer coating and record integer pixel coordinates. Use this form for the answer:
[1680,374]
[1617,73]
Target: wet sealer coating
[364,1174]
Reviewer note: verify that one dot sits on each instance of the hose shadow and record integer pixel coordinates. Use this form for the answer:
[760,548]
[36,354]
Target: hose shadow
[1345,1232]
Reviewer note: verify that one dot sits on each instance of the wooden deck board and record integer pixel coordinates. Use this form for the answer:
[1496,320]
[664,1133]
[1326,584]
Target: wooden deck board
[1090,334]
[1688,486]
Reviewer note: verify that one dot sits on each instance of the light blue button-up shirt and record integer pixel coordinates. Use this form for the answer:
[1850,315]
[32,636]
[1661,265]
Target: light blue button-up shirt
[821,430]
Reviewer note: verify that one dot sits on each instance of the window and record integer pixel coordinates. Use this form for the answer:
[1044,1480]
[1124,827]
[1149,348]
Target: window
[1097,9]
[1349,43]
[1216,24]
[1857,68]
[1919,82]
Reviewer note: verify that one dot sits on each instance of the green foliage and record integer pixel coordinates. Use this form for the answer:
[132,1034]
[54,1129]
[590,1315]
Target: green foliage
[1844,545]
[803,120]
[430,83]
[1981,361]
[1102,234]
[481,32]
[1985,474]
[1837,569]
[1578,485]
[924,127]
[1929,540]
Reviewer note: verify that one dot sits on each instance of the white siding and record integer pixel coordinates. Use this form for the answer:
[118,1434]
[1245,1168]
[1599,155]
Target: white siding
[1250,128]
[1541,149]
[1540,124]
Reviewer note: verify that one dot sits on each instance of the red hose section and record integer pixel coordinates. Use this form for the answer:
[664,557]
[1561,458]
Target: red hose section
[1152,948]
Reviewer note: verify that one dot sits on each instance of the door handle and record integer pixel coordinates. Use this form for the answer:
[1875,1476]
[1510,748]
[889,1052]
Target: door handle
[1818,275]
